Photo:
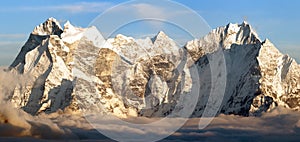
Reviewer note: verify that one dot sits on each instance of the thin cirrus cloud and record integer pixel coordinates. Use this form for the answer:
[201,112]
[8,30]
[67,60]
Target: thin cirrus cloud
[144,10]
[156,12]
[13,36]
[10,44]
[81,7]
[157,15]
[148,10]
[9,50]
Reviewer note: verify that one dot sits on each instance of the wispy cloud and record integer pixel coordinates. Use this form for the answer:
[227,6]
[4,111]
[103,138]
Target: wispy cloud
[9,50]
[148,10]
[79,7]
[9,43]
[13,36]
[153,13]
[160,12]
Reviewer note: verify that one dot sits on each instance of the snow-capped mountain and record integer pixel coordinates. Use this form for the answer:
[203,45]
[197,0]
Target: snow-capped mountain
[77,70]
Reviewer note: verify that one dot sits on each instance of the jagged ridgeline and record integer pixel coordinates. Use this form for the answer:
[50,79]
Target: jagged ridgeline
[78,72]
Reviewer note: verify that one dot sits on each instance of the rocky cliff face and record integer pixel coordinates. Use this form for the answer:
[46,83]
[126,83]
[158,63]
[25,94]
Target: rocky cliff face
[77,70]
[240,46]
[279,82]
[46,59]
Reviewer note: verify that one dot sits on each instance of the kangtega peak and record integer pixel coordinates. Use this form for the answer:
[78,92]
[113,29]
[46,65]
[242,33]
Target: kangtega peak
[77,70]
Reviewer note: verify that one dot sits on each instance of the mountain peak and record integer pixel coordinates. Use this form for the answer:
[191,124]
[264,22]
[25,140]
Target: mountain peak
[267,41]
[71,34]
[244,23]
[238,34]
[69,27]
[232,28]
[50,27]
[160,35]
[236,27]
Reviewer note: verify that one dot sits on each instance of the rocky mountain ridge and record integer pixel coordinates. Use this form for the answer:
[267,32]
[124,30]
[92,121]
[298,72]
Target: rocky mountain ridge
[77,70]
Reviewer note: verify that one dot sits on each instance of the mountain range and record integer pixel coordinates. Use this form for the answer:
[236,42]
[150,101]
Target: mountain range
[76,70]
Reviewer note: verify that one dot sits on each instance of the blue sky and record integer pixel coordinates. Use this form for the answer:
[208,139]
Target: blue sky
[274,19]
